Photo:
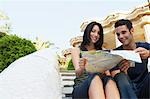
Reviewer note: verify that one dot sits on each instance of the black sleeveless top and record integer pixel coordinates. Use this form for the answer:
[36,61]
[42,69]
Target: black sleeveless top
[80,79]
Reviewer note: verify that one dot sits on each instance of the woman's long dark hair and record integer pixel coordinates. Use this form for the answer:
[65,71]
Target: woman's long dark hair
[87,39]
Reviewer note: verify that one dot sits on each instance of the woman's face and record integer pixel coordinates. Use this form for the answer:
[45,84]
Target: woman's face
[94,35]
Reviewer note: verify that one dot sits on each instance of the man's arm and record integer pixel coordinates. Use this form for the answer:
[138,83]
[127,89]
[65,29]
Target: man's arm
[144,53]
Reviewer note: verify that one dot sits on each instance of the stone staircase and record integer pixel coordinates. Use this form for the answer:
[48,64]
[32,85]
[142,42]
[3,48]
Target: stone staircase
[67,77]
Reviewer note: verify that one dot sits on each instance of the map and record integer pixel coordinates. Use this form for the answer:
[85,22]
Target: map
[99,61]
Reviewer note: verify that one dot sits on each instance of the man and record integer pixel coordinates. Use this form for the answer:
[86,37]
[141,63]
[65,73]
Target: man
[139,75]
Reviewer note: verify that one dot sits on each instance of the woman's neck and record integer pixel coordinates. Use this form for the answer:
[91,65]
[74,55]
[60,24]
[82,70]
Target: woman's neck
[90,47]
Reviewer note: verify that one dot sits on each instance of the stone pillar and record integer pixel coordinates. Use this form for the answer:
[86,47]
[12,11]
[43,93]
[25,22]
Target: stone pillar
[147,39]
[146,26]
[147,32]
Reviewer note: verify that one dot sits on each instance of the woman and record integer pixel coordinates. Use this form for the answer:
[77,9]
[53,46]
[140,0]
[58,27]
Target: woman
[90,85]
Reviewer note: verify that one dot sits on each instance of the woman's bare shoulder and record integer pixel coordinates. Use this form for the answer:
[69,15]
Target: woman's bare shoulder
[75,49]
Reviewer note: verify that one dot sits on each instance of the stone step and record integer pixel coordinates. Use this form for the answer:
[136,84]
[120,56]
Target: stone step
[69,83]
[67,90]
[64,78]
[67,78]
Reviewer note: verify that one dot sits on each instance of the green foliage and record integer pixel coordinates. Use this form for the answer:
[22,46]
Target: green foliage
[70,65]
[11,48]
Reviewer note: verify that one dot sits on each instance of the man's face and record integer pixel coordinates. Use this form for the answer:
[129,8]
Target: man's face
[124,35]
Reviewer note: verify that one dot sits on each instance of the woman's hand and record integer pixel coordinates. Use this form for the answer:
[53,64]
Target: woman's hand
[82,63]
[107,72]
[79,72]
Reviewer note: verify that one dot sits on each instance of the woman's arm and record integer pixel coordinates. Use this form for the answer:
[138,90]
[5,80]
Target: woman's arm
[75,55]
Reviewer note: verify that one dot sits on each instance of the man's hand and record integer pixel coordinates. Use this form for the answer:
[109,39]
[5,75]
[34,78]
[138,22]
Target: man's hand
[114,72]
[124,65]
[144,53]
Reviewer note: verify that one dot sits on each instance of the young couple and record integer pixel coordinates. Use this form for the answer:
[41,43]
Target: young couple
[125,82]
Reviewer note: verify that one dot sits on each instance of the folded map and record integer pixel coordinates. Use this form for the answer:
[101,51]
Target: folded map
[99,61]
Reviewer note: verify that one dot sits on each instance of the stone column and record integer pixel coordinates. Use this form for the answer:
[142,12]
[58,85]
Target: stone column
[147,32]
[146,26]
[147,39]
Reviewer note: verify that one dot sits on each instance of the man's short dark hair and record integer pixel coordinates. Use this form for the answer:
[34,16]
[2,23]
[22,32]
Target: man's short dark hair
[126,22]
